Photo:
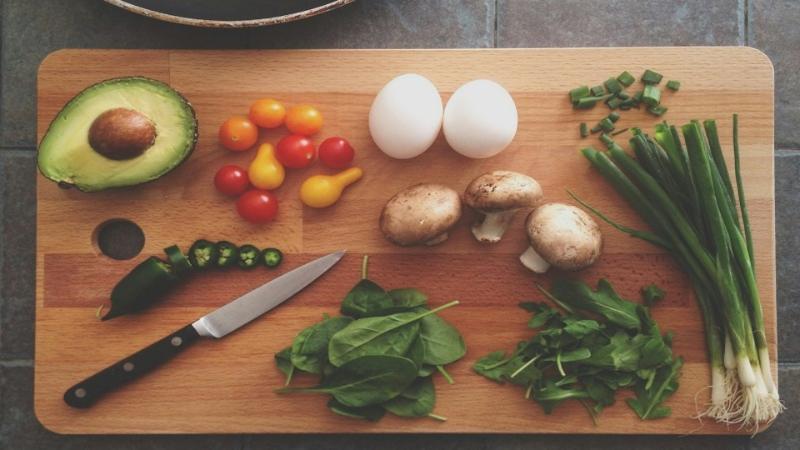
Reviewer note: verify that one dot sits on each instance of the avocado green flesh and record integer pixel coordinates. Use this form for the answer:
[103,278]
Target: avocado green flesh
[65,155]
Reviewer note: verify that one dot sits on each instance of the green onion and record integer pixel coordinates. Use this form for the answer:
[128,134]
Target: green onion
[626,79]
[578,93]
[651,95]
[606,124]
[657,110]
[598,90]
[651,77]
[588,102]
[613,85]
[596,128]
[606,139]
[614,117]
[623,95]
[584,129]
[614,103]
[673,85]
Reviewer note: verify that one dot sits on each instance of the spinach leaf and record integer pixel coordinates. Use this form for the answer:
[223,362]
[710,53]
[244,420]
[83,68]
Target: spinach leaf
[604,301]
[426,370]
[408,298]
[416,352]
[648,403]
[310,347]
[442,342]
[371,413]
[283,359]
[492,365]
[384,335]
[364,299]
[365,381]
[417,400]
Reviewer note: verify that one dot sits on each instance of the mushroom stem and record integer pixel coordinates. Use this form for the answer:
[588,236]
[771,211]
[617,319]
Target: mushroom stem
[438,239]
[493,226]
[534,261]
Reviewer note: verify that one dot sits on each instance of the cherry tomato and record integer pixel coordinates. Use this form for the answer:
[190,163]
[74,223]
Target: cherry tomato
[257,206]
[231,180]
[295,151]
[267,113]
[336,152]
[303,119]
[238,134]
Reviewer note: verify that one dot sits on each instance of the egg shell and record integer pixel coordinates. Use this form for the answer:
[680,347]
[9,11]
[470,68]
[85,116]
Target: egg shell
[406,116]
[480,119]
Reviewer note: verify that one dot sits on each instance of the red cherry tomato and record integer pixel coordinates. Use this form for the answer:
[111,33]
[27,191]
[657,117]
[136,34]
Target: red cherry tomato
[336,152]
[295,151]
[231,180]
[257,206]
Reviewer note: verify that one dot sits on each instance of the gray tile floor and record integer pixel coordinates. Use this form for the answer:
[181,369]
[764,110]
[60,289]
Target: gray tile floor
[32,29]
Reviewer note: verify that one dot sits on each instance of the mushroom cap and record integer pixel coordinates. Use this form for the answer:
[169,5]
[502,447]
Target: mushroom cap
[420,213]
[502,190]
[564,235]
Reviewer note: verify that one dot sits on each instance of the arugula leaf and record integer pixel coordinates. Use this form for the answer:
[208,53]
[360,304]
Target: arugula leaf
[491,366]
[604,301]
[621,354]
[580,328]
[648,403]
[550,395]
[283,359]
[371,413]
[652,294]
[310,347]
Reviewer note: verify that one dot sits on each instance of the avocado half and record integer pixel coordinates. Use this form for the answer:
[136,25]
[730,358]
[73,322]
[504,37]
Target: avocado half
[119,132]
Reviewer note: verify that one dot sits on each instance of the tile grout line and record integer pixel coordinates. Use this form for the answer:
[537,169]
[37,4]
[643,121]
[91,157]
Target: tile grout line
[741,18]
[11,363]
[746,19]
[494,35]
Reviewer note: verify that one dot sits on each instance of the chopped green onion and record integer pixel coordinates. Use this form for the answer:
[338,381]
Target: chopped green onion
[588,102]
[598,90]
[614,102]
[637,97]
[651,77]
[606,139]
[596,128]
[623,95]
[606,124]
[626,79]
[584,129]
[651,95]
[619,131]
[578,93]
[657,110]
[673,85]
[613,85]
[614,117]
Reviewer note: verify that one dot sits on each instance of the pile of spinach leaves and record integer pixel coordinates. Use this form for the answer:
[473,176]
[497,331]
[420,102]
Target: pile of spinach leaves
[378,356]
[599,344]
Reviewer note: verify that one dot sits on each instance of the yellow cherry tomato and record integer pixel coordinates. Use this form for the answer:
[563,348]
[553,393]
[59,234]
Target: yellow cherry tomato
[303,119]
[267,113]
[266,172]
[321,191]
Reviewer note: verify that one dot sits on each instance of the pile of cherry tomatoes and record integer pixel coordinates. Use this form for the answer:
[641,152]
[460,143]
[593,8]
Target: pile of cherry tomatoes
[294,151]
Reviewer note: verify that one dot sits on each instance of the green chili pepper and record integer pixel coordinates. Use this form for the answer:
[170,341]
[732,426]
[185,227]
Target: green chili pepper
[178,260]
[227,254]
[271,257]
[203,254]
[141,287]
[248,256]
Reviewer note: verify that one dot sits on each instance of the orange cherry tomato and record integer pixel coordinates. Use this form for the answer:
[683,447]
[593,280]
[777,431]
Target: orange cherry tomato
[238,133]
[303,119]
[267,113]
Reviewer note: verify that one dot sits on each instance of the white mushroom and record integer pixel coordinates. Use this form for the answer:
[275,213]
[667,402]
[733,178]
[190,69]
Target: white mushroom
[497,196]
[563,236]
[420,214]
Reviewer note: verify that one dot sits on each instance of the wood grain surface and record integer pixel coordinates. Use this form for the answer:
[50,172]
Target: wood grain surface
[226,386]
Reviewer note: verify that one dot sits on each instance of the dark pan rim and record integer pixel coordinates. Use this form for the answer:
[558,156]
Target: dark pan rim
[229,23]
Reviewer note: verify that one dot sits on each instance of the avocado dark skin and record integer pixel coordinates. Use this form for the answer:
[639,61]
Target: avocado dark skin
[121,133]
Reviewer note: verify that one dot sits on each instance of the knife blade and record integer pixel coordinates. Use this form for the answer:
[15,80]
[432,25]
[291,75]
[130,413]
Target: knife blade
[216,324]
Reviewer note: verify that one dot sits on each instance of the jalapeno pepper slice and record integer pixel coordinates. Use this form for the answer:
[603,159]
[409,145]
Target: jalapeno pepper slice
[141,287]
[203,254]
[248,256]
[178,260]
[271,257]
[227,254]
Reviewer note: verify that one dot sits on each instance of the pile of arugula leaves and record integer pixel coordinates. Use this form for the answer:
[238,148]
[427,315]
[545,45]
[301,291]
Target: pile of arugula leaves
[600,344]
[378,356]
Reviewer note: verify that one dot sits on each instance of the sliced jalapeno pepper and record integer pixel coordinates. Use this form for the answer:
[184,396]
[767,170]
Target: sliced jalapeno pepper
[227,254]
[271,257]
[178,260]
[203,254]
[141,287]
[248,256]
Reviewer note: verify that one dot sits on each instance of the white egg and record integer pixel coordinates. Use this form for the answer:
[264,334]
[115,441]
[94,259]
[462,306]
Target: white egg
[480,119]
[406,116]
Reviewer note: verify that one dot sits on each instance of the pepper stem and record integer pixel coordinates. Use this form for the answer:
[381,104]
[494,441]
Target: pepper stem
[364,267]
[99,311]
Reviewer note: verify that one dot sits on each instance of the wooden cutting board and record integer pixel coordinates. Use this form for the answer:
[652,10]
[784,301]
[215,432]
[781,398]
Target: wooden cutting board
[227,386]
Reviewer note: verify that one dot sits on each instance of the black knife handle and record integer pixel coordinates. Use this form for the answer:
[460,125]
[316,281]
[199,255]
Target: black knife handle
[85,393]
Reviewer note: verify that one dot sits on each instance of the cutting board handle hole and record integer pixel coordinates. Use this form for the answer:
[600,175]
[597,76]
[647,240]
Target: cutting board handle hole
[118,239]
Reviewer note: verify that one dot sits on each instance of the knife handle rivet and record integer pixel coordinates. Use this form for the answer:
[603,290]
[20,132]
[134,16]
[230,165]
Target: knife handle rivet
[176,341]
[80,392]
[127,367]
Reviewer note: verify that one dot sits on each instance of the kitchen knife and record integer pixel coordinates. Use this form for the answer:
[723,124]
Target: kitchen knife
[216,324]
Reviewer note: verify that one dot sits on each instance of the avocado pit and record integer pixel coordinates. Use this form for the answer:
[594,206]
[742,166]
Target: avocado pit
[121,134]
